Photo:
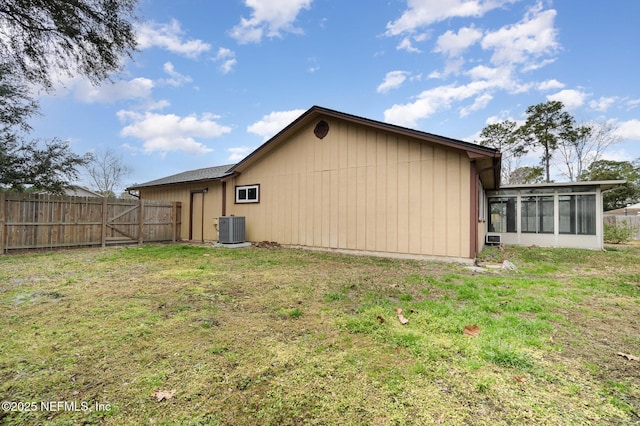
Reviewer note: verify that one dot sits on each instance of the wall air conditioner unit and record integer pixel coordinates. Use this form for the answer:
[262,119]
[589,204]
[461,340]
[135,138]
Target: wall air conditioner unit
[493,239]
[231,229]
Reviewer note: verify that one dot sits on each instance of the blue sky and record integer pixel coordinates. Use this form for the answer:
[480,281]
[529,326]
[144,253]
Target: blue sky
[212,80]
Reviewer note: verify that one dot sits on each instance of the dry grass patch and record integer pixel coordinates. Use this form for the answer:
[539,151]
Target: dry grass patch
[279,336]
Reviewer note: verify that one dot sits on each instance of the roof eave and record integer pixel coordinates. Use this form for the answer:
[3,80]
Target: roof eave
[602,184]
[187,182]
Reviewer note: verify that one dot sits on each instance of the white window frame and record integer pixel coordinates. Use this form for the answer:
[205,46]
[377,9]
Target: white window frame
[247,188]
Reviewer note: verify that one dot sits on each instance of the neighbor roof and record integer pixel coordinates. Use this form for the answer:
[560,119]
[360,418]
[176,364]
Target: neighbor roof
[630,210]
[190,176]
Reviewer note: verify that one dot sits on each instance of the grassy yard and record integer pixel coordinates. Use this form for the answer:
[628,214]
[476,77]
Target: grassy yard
[281,337]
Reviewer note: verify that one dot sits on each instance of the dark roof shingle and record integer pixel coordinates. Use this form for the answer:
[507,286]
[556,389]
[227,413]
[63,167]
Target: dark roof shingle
[198,175]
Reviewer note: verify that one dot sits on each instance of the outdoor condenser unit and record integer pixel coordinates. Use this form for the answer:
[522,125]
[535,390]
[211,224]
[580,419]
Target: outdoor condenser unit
[231,229]
[493,239]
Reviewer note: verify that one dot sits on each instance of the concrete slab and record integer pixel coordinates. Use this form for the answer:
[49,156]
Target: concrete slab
[233,246]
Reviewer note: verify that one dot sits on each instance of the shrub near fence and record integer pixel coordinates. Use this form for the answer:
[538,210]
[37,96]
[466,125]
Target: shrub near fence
[630,222]
[36,221]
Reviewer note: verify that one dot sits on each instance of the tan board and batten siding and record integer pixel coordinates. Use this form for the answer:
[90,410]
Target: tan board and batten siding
[360,189]
[206,208]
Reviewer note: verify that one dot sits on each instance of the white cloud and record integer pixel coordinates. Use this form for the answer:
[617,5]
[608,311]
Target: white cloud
[483,72]
[433,100]
[633,103]
[137,88]
[629,129]
[480,102]
[452,44]
[314,67]
[570,98]
[421,13]
[270,18]
[169,37]
[552,84]
[227,60]
[171,133]
[617,155]
[157,105]
[603,103]
[239,152]
[272,123]
[531,38]
[407,45]
[176,79]
[485,80]
[392,80]
[528,44]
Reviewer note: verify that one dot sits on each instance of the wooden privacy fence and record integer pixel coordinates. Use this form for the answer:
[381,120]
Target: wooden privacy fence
[36,221]
[632,222]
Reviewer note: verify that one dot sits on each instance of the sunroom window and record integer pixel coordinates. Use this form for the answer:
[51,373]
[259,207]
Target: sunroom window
[537,214]
[502,214]
[577,214]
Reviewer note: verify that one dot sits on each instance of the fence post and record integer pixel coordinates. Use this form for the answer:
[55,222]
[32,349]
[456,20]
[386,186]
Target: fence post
[103,236]
[2,221]
[141,222]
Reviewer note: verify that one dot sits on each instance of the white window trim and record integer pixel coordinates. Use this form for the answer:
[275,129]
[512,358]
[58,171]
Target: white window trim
[247,188]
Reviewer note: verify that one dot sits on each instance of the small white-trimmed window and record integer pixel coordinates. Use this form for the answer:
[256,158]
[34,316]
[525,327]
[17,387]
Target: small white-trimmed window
[248,194]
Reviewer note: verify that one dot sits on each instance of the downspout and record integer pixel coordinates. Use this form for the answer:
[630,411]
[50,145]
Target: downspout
[224,198]
[473,237]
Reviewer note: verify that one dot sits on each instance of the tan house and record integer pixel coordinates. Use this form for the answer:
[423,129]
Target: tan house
[336,181]
[332,180]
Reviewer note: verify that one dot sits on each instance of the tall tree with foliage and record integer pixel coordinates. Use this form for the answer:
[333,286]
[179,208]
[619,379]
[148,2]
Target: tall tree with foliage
[547,123]
[49,166]
[622,196]
[78,37]
[40,39]
[527,175]
[504,137]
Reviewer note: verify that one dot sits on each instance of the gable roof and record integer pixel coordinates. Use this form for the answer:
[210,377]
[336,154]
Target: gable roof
[487,159]
[190,176]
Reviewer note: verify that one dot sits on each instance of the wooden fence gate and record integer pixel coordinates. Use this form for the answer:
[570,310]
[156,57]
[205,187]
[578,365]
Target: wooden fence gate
[35,221]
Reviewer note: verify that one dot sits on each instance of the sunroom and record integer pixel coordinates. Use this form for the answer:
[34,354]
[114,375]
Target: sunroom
[551,215]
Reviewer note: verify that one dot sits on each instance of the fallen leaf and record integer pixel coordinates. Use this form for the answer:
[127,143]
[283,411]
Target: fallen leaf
[163,394]
[519,379]
[401,317]
[471,330]
[380,319]
[504,302]
[629,357]
[394,285]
